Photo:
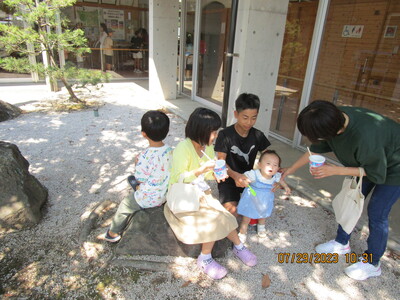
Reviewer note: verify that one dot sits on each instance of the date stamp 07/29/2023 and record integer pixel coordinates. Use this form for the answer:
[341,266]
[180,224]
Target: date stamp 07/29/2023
[321,258]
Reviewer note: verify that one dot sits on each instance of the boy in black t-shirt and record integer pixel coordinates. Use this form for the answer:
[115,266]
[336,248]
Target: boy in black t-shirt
[238,145]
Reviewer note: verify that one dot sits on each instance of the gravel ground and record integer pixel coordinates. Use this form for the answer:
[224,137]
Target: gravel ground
[84,160]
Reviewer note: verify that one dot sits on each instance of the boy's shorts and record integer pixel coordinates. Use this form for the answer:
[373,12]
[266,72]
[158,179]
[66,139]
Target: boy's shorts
[137,55]
[108,59]
[228,191]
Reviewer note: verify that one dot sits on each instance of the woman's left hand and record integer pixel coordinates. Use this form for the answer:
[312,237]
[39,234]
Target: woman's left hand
[324,171]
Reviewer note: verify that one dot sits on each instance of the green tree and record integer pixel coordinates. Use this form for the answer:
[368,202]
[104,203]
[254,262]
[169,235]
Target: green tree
[39,35]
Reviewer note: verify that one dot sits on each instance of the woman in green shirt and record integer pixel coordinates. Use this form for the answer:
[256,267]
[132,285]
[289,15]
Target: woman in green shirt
[359,138]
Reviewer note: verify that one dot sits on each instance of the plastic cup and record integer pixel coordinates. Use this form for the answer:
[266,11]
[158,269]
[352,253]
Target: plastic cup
[220,169]
[316,160]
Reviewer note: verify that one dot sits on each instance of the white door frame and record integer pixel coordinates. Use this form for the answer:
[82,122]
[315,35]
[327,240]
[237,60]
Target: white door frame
[322,12]
[196,45]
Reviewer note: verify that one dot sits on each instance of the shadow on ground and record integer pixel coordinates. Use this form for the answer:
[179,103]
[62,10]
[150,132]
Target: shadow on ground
[84,160]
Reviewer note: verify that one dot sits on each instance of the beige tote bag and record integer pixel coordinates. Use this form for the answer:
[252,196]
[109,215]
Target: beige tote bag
[183,197]
[348,204]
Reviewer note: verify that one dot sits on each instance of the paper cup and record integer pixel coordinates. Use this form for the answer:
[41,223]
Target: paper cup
[316,161]
[220,169]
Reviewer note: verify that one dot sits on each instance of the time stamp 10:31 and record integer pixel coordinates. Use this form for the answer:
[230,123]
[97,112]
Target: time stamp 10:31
[321,258]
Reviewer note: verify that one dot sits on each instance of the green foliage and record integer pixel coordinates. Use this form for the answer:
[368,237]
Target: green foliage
[83,77]
[40,20]
[19,65]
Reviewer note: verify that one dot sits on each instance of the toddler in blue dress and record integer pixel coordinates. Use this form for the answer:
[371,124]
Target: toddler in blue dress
[258,204]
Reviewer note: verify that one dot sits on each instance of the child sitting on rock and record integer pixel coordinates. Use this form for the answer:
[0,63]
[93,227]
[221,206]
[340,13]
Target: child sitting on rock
[152,173]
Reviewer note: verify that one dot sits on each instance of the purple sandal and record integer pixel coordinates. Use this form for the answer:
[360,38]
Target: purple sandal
[246,256]
[213,269]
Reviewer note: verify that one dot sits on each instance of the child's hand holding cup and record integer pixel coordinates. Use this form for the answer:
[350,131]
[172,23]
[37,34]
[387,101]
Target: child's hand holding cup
[220,170]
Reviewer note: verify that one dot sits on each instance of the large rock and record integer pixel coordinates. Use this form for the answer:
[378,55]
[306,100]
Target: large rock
[8,111]
[21,194]
[149,234]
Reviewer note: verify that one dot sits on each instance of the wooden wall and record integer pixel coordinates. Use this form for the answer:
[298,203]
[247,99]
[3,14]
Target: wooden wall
[363,71]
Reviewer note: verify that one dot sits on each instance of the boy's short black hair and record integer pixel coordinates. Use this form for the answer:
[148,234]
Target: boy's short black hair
[265,152]
[320,120]
[155,124]
[247,101]
[202,122]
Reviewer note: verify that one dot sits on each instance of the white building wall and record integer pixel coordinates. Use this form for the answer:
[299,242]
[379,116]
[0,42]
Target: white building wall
[163,41]
[260,29]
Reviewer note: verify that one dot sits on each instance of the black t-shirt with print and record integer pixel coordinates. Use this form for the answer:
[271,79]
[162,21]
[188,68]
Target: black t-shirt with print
[241,152]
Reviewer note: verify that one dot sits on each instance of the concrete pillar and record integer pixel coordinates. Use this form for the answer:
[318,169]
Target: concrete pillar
[259,35]
[163,45]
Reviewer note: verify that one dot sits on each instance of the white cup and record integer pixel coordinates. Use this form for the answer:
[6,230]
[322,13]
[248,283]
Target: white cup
[220,169]
[316,160]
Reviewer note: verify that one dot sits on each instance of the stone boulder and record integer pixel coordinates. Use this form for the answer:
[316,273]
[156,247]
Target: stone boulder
[149,234]
[21,194]
[8,111]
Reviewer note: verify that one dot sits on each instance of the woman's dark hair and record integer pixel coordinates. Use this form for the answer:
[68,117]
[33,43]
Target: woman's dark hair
[320,120]
[202,122]
[273,152]
[247,101]
[155,124]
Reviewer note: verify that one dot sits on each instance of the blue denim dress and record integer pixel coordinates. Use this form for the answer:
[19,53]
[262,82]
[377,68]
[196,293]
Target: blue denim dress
[261,205]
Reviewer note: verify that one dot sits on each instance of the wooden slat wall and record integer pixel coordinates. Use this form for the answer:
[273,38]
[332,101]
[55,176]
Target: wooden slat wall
[341,59]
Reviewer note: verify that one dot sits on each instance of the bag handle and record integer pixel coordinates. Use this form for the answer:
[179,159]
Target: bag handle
[361,170]
[183,176]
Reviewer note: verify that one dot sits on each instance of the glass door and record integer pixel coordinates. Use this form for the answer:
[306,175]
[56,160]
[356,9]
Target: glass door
[296,46]
[188,50]
[212,44]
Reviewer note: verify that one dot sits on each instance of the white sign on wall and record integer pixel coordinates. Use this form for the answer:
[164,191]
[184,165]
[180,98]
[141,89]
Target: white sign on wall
[114,19]
[352,31]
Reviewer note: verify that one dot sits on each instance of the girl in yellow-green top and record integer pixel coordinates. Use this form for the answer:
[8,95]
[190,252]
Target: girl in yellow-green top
[212,221]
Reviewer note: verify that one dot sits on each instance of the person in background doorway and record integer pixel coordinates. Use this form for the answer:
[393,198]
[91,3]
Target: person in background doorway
[100,42]
[145,47]
[108,51]
[137,45]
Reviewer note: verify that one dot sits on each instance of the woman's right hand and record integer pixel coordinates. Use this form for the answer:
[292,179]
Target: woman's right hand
[286,171]
[303,160]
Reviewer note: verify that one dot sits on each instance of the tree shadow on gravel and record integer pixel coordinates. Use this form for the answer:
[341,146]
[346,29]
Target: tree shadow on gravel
[82,160]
